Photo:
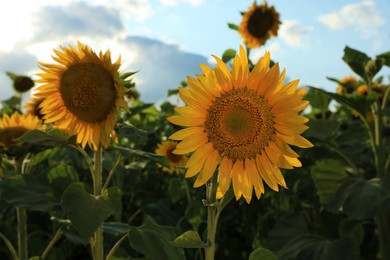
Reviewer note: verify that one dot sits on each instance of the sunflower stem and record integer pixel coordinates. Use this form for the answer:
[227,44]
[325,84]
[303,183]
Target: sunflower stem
[10,247]
[52,242]
[212,215]
[21,217]
[383,226]
[97,191]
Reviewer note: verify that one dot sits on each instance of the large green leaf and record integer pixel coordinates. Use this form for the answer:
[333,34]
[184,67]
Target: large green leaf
[87,212]
[357,61]
[322,129]
[361,198]
[55,138]
[38,190]
[28,191]
[189,239]
[328,175]
[318,100]
[386,57]
[154,241]
[262,253]
[311,246]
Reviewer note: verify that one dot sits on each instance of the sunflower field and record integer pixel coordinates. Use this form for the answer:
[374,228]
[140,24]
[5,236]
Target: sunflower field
[238,163]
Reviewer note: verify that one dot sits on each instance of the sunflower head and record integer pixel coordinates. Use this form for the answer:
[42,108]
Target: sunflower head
[32,107]
[347,85]
[14,126]
[166,149]
[82,94]
[258,24]
[240,124]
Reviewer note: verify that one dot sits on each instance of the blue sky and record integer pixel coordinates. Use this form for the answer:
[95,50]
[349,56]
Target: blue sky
[166,40]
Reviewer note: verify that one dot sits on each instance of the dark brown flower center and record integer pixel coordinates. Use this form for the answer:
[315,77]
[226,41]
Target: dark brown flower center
[261,22]
[9,134]
[173,158]
[88,91]
[239,124]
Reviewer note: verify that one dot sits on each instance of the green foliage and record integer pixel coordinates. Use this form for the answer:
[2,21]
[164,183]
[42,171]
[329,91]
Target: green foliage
[328,175]
[189,239]
[361,198]
[153,240]
[228,55]
[87,212]
[262,253]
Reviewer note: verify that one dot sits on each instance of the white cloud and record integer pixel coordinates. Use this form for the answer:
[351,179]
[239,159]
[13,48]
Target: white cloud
[76,19]
[161,66]
[362,17]
[175,2]
[293,32]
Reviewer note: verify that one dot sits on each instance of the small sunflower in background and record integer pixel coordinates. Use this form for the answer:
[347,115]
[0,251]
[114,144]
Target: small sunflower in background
[32,107]
[166,149]
[347,85]
[14,126]
[240,124]
[21,83]
[82,94]
[258,24]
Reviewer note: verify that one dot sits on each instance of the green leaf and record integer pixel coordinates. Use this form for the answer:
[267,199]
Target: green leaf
[328,176]
[12,75]
[357,61]
[359,104]
[189,239]
[154,241]
[28,191]
[263,254]
[373,67]
[318,100]
[87,212]
[194,213]
[42,138]
[386,57]
[322,129]
[310,246]
[115,228]
[233,26]
[128,152]
[228,55]
[353,229]
[62,176]
[360,198]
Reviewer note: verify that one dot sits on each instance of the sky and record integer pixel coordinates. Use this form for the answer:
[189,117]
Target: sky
[166,40]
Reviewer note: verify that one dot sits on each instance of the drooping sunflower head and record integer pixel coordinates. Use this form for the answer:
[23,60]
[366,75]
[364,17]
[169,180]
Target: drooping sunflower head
[240,124]
[166,149]
[258,24]
[14,126]
[82,94]
[32,107]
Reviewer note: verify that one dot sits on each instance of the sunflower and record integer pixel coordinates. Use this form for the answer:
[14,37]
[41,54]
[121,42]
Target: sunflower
[82,94]
[243,121]
[347,85]
[14,126]
[32,107]
[258,24]
[166,148]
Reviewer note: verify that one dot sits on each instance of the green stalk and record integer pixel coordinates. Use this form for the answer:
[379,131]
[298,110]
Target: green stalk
[383,225]
[52,242]
[97,191]
[10,247]
[22,233]
[21,217]
[212,218]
